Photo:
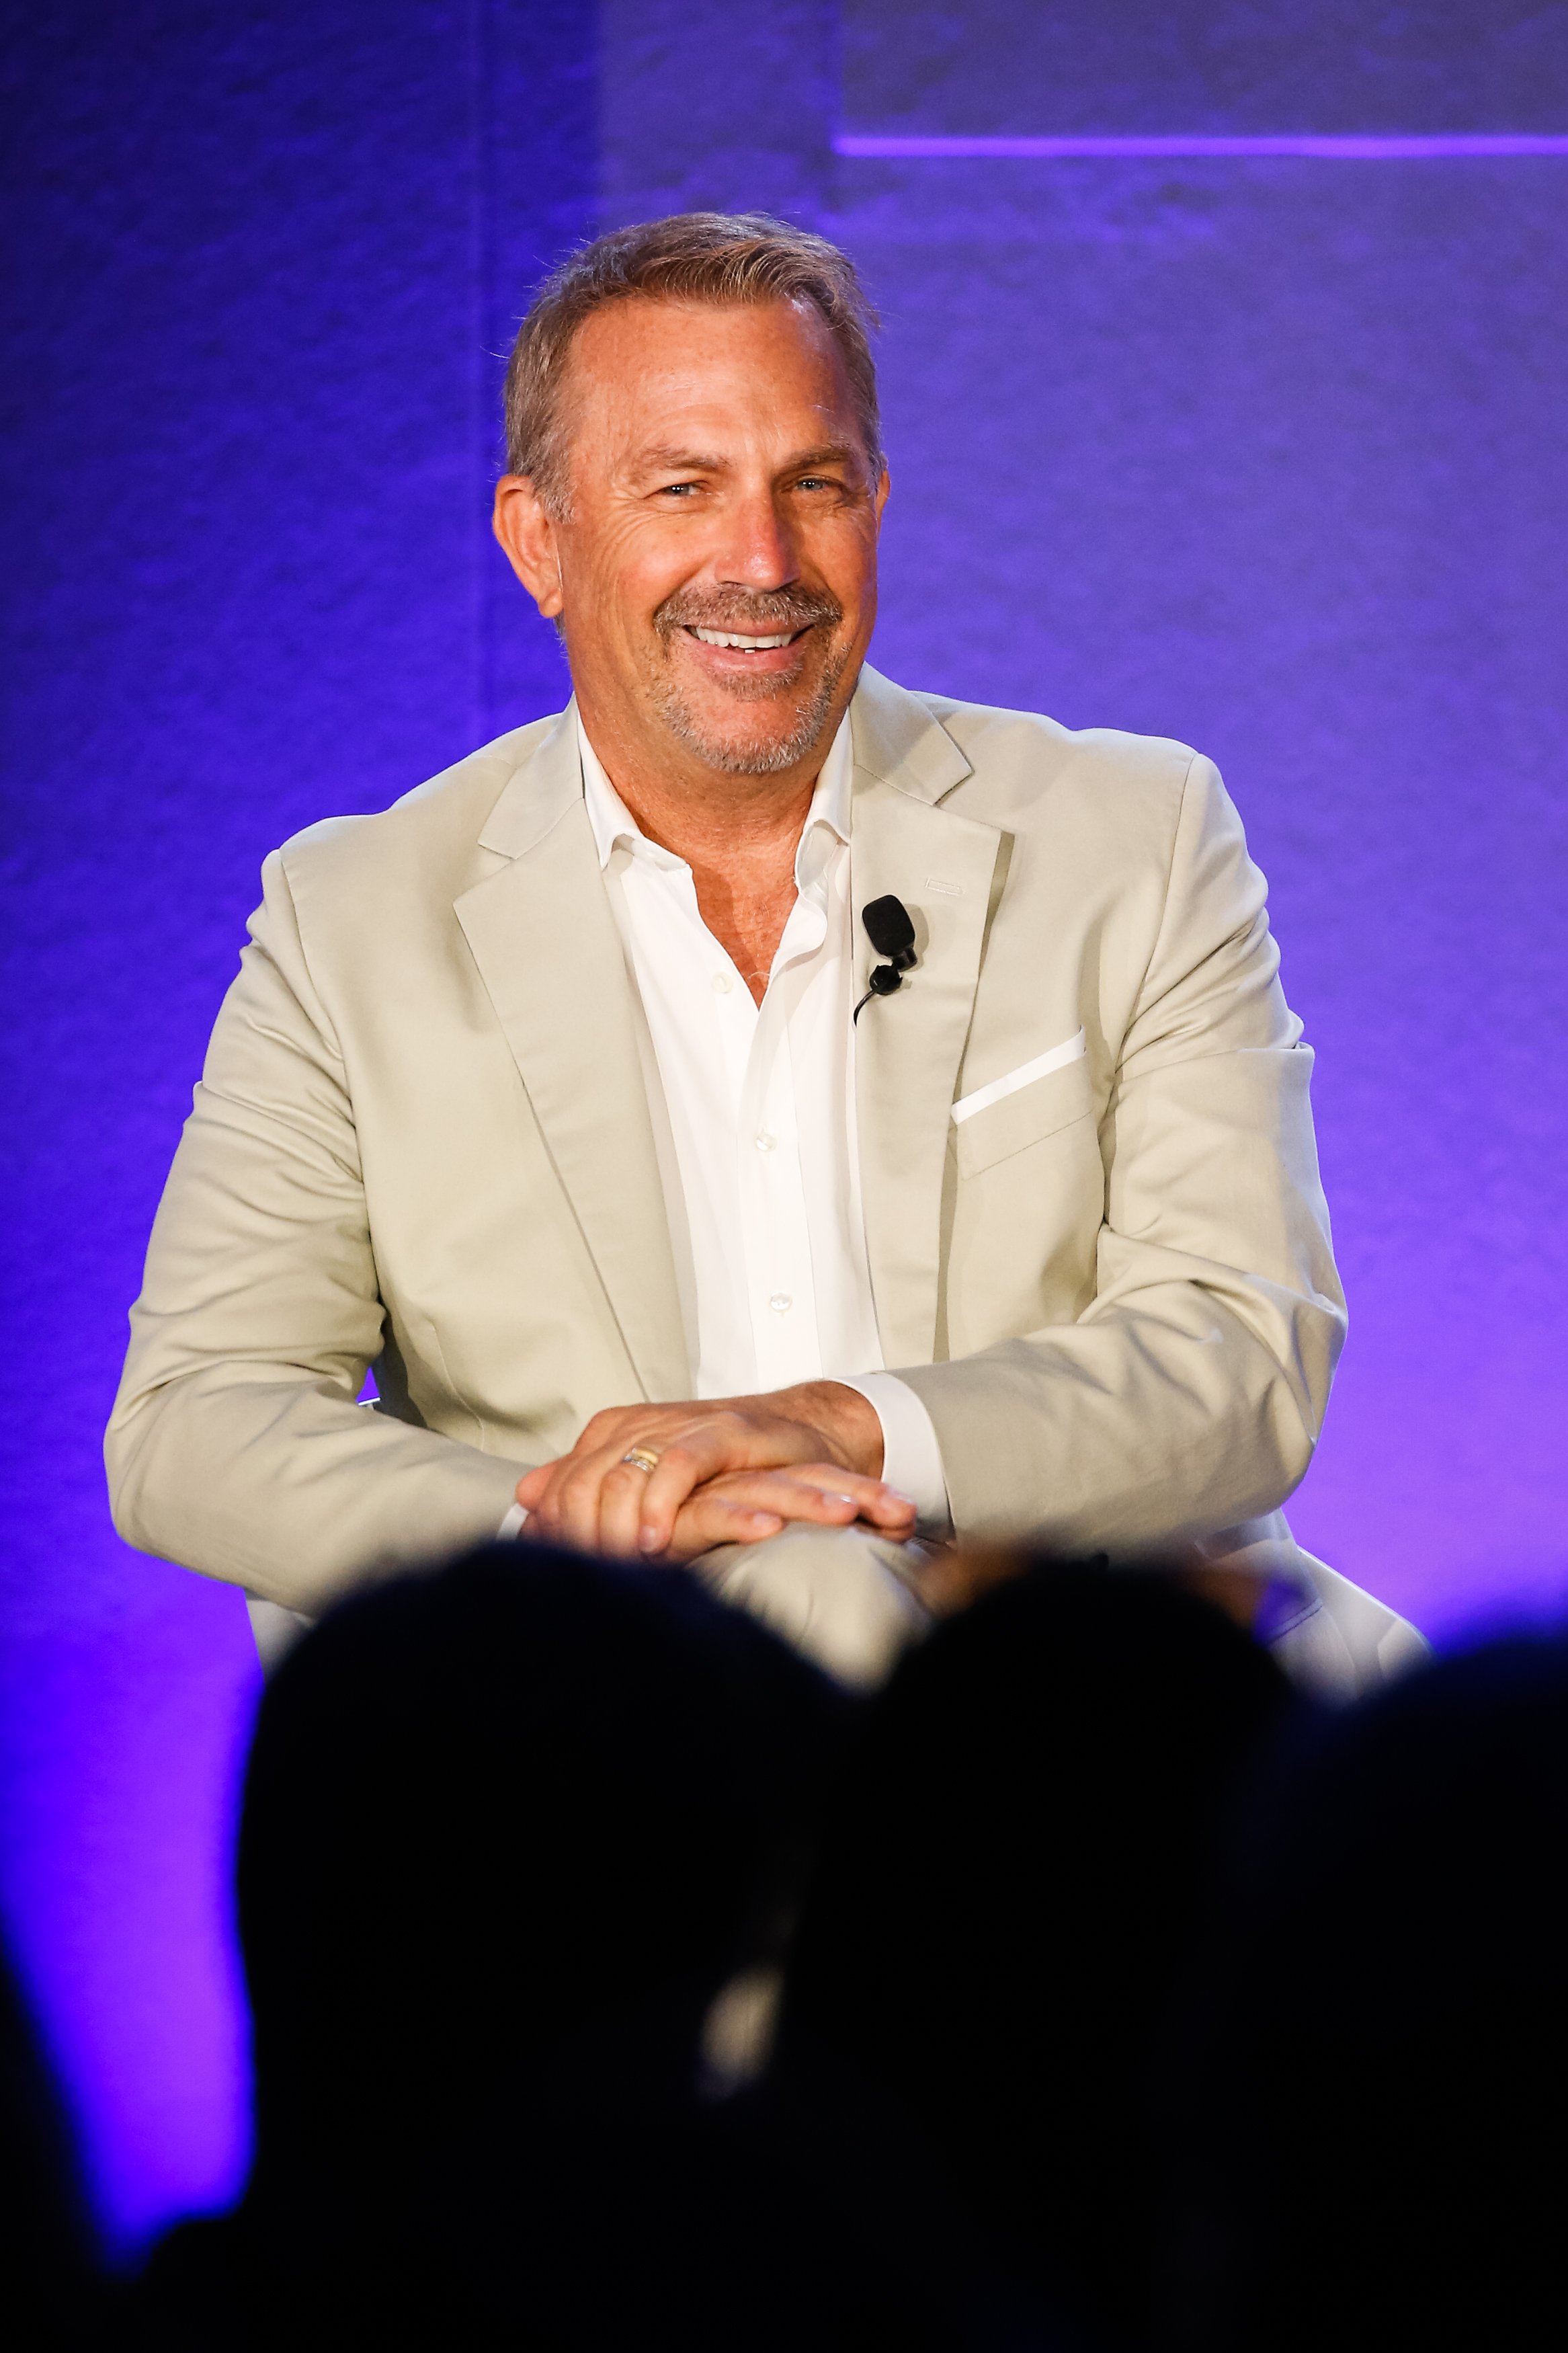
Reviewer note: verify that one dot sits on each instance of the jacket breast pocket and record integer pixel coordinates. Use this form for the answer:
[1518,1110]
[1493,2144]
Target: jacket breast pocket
[1023,1117]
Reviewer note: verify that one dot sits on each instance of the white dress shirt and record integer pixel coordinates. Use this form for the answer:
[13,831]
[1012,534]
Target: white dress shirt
[760,1104]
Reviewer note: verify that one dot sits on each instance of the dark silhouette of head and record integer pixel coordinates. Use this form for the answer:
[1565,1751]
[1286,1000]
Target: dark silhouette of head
[1375,2153]
[508,1829]
[502,1804]
[51,2290]
[1005,1896]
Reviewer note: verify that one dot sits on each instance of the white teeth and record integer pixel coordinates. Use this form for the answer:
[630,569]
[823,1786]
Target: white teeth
[746,645]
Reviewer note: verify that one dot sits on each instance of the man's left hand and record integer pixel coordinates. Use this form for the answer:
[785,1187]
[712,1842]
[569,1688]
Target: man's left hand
[595,1500]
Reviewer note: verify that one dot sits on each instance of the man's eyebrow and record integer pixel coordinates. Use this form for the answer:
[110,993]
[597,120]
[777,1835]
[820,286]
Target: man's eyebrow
[832,453]
[680,461]
[672,460]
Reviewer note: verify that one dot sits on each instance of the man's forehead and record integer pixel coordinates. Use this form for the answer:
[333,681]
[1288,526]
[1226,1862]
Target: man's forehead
[648,354]
[679,319]
[707,387]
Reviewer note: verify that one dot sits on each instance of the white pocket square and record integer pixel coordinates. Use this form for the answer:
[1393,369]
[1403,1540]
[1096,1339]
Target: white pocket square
[1056,1058]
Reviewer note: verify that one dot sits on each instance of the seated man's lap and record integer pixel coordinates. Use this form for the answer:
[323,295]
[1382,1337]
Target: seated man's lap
[842,1595]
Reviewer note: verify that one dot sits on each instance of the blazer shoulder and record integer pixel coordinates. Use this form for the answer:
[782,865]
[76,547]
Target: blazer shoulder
[1027,756]
[428,836]
[1101,785]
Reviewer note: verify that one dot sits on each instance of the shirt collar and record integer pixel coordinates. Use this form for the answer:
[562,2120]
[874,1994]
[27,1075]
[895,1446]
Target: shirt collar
[613,822]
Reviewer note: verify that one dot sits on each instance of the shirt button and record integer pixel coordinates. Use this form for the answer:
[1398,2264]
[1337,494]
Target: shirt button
[722,984]
[780,1303]
[765,1143]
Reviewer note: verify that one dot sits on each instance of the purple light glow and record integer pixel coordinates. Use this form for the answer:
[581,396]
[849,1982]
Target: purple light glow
[260,264]
[1272,461]
[1335,146]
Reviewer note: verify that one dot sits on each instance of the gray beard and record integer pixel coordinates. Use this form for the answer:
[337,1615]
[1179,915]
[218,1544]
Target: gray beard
[788,608]
[731,759]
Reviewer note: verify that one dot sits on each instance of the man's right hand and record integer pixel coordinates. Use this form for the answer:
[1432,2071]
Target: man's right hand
[731,1472]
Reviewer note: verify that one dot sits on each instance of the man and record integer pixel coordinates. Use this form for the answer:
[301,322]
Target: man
[560,1093]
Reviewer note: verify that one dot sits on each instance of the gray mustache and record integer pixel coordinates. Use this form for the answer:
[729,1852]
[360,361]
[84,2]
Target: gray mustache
[760,615]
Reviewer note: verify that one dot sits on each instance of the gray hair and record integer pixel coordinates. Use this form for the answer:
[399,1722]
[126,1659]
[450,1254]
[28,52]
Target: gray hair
[720,257]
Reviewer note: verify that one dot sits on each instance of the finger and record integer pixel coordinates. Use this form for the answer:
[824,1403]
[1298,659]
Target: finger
[540,1515]
[883,1506]
[564,1496]
[597,1500]
[532,1486]
[571,1504]
[536,1494]
[834,1479]
[748,1507]
[781,1492]
[891,1512]
[621,1494]
[688,1461]
[710,1519]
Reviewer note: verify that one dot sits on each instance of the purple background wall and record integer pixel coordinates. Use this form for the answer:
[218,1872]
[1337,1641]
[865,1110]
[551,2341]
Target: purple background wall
[1266,454]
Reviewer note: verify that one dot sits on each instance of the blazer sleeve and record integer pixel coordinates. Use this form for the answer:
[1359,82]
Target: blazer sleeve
[1190,1393]
[236,1445]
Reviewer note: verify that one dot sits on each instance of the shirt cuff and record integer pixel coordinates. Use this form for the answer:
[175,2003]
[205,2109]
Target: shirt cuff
[911,1456]
[513,1524]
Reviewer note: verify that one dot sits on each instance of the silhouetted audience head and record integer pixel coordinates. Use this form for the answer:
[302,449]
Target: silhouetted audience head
[49,2289]
[1376,2151]
[1001,1915]
[486,1811]
[508,1829]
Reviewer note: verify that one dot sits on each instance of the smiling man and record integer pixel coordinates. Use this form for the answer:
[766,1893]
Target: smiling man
[563,1095]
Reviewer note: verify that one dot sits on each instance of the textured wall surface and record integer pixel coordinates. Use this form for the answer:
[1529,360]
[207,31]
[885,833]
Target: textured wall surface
[1264,454]
[251,429]
[996,67]
[1268,455]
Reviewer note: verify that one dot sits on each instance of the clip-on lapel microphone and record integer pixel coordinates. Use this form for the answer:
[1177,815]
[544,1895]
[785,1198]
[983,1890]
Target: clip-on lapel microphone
[892,934]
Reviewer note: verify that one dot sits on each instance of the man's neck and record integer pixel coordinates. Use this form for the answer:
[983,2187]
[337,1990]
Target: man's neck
[703,814]
[724,828]
[738,834]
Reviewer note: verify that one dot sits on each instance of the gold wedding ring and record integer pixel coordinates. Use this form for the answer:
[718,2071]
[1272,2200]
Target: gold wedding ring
[641,1458]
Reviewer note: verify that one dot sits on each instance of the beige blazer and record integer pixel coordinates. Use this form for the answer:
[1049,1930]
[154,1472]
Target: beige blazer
[422,1141]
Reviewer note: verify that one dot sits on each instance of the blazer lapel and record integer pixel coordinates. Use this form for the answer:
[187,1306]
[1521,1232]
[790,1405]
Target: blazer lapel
[545,941]
[908,1046]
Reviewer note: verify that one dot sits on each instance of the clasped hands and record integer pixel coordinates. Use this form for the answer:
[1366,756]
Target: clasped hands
[727,1471]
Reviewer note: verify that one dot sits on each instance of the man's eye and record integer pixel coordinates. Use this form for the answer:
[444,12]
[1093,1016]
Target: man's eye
[814,482]
[678,490]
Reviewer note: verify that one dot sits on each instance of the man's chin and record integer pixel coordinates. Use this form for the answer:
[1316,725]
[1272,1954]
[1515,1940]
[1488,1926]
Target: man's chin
[750,754]
[753,731]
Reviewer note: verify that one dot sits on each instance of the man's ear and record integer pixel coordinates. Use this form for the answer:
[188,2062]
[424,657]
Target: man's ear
[527,532]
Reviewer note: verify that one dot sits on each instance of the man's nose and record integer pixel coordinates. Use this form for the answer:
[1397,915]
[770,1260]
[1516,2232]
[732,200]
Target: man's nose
[758,551]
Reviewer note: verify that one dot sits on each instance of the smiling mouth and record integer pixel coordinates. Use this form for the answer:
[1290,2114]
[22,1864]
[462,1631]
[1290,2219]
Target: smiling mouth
[732,638]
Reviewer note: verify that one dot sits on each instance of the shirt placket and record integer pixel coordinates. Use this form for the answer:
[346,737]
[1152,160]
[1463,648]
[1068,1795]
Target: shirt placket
[737,1018]
[769,1178]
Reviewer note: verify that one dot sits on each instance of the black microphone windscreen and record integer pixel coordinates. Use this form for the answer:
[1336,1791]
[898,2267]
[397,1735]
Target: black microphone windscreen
[888,926]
